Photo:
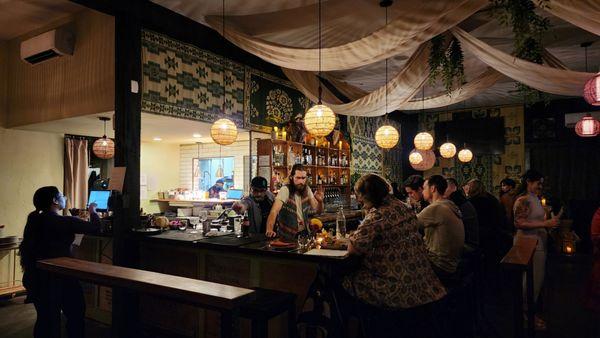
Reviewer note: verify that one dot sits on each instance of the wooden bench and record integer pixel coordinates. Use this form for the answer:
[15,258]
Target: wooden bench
[518,262]
[225,299]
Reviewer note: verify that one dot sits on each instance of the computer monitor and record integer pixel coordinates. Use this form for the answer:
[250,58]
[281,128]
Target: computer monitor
[235,194]
[100,197]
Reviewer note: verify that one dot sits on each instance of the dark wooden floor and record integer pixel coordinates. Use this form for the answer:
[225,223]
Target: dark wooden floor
[562,308]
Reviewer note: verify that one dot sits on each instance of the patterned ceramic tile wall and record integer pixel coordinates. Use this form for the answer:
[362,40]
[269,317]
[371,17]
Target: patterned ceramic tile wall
[491,169]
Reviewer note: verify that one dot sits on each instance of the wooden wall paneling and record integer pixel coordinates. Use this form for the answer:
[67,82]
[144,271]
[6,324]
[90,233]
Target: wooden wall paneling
[3,82]
[67,86]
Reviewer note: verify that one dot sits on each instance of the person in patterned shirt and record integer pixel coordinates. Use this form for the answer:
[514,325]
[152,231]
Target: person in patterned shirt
[395,272]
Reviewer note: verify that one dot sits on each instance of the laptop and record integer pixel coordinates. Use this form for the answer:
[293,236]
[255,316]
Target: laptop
[235,194]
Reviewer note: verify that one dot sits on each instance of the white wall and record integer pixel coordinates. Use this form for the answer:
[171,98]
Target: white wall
[28,161]
[160,165]
[190,151]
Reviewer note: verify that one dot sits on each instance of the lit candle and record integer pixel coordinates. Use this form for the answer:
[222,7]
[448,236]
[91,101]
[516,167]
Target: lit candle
[543,202]
[276,132]
[340,144]
[569,249]
[283,134]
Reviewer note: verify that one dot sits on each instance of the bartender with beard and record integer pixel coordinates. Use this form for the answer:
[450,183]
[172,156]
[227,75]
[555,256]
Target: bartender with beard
[292,206]
[258,205]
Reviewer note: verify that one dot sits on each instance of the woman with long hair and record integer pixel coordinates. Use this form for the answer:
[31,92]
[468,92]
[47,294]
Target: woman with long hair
[49,235]
[530,221]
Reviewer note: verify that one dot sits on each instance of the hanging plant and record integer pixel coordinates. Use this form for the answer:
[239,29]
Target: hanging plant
[528,29]
[446,62]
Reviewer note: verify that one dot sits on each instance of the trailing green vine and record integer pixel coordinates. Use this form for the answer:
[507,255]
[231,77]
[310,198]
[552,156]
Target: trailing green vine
[446,62]
[528,29]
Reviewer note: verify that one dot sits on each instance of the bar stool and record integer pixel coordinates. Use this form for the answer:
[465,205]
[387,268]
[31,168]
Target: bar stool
[266,305]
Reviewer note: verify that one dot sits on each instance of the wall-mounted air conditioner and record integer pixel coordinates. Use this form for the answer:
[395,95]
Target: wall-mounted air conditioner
[45,46]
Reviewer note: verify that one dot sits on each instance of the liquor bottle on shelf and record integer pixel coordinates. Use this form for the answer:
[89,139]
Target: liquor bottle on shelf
[319,181]
[309,179]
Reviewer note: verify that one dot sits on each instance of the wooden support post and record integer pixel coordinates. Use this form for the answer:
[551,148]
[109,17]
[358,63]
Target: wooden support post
[128,65]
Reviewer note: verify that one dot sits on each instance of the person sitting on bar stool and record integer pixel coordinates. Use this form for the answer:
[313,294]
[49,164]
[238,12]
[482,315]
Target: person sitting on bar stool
[443,228]
[467,210]
[50,235]
[258,205]
[413,186]
[395,273]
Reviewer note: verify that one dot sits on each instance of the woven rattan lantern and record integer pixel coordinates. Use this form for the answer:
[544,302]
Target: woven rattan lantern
[415,157]
[387,137]
[319,120]
[223,132]
[104,147]
[448,150]
[423,141]
[591,91]
[428,161]
[587,126]
[465,155]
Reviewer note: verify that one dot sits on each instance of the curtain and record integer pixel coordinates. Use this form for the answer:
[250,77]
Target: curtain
[417,23]
[543,78]
[584,14]
[399,90]
[76,173]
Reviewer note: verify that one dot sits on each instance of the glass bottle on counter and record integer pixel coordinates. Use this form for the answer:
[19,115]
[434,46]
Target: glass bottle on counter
[246,225]
[340,224]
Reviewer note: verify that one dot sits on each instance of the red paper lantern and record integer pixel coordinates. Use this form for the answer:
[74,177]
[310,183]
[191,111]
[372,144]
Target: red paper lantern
[591,92]
[587,126]
[428,160]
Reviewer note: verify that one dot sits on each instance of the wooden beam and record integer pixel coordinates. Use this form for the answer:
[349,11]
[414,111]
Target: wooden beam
[128,68]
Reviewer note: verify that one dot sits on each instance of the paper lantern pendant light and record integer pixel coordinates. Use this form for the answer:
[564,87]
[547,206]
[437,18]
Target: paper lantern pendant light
[319,120]
[104,147]
[387,137]
[465,155]
[423,141]
[428,160]
[591,91]
[415,157]
[448,150]
[223,132]
[587,126]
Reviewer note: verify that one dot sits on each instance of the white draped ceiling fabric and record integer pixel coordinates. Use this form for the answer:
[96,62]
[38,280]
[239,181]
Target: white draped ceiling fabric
[282,35]
[584,14]
[399,90]
[543,78]
[418,22]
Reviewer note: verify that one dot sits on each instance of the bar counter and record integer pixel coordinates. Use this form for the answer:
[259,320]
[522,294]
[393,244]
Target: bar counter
[245,262]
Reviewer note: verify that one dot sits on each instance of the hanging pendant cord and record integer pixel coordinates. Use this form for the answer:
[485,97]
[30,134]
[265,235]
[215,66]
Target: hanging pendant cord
[319,79]
[223,59]
[386,75]
[104,128]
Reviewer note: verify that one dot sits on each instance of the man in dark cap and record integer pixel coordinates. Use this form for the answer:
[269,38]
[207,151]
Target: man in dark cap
[258,205]
[214,191]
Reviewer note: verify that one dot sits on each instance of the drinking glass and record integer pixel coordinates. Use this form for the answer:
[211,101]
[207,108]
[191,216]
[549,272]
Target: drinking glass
[303,240]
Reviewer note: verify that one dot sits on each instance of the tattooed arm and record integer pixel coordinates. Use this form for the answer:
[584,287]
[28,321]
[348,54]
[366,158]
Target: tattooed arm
[522,209]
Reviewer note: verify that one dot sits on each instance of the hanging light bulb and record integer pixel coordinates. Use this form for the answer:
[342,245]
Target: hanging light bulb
[465,155]
[223,131]
[587,126]
[319,120]
[104,147]
[448,150]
